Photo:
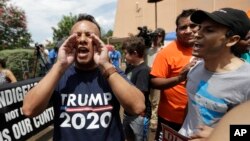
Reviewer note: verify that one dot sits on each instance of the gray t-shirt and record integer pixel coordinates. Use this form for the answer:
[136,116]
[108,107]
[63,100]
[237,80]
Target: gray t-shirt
[211,95]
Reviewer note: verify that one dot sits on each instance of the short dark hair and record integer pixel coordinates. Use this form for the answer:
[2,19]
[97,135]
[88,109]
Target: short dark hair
[87,17]
[3,63]
[234,48]
[184,14]
[133,44]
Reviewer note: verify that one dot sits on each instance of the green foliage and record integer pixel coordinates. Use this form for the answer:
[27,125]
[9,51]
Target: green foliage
[65,24]
[15,61]
[106,36]
[109,33]
[63,27]
[13,27]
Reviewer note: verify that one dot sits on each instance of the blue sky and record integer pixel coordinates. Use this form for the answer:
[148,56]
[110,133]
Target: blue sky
[44,14]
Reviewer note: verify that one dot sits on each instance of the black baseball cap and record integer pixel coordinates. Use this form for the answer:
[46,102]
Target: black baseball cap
[235,19]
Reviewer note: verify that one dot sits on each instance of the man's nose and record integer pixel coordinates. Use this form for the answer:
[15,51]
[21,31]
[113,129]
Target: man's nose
[82,38]
[188,30]
[197,34]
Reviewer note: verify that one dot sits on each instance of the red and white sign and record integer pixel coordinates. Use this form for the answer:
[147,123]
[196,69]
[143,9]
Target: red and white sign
[170,134]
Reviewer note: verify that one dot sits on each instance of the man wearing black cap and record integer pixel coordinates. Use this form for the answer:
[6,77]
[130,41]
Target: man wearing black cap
[218,83]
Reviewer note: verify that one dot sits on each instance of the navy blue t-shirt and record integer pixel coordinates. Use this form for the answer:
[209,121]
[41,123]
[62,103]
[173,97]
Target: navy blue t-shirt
[86,108]
[139,76]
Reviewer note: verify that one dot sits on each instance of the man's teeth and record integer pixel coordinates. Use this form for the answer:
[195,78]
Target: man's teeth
[83,50]
[197,45]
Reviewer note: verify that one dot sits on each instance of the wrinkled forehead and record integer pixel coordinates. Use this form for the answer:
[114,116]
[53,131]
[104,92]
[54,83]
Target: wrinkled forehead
[184,20]
[85,26]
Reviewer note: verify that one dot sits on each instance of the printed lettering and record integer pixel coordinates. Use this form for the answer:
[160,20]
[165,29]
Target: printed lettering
[107,98]
[105,119]
[93,124]
[4,135]
[78,120]
[171,137]
[240,132]
[11,115]
[77,117]
[66,122]
[72,100]
[22,128]
[14,95]
[44,118]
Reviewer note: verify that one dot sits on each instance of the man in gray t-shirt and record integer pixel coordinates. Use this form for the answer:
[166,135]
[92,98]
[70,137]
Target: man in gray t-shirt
[218,83]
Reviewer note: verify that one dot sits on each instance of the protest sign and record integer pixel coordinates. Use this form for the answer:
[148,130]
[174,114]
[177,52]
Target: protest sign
[14,125]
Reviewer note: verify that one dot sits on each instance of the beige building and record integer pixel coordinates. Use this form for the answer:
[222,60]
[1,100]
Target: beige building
[131,14]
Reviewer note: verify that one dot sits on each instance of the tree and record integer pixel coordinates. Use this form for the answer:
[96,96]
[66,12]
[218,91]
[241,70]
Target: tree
[63,27]
[13,27]
[107,35]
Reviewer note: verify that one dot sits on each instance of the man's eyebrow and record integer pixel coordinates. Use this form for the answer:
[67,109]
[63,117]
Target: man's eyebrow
[207,26]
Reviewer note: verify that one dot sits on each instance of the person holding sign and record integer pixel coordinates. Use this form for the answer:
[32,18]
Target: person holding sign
[85,88]
[217,83]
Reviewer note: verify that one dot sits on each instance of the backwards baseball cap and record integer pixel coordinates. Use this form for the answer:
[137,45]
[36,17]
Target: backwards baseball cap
[235,19]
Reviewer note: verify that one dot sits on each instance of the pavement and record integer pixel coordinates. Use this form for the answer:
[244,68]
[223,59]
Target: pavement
[44,135]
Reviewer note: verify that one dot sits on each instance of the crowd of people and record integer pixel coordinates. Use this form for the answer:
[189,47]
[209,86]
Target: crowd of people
[45,59]
[191,85]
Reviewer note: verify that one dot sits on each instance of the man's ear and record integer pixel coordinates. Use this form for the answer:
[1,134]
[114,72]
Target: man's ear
[233,40]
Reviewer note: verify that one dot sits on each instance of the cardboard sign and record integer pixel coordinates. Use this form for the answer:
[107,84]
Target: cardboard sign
[170,134]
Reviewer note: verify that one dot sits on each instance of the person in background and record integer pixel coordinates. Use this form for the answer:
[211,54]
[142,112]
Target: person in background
[217,83]
[43,58]
[85,88]
[157,44]
[26,75]
[136,127]
[53,55]
[53,52]
[169,74]
[6,75]
[243,48]
[115,57]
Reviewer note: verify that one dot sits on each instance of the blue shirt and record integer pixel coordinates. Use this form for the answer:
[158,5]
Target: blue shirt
[246,56]
[52,56]
[115,56]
